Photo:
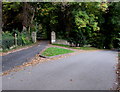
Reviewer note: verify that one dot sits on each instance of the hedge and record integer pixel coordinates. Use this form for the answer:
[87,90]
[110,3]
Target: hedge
[8,40]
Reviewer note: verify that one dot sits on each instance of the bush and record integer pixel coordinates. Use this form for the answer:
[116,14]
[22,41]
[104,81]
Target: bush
[7,40]
[76,38]
[26,38]
[19,41]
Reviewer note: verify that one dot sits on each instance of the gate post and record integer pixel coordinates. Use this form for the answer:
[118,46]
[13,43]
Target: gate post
[34,37]
[53,37]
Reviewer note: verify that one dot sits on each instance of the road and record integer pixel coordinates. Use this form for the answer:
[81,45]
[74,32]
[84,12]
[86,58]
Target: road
[83,71]
[18,58]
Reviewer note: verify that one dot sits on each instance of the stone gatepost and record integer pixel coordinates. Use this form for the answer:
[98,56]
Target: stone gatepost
[34,37]
[53,37]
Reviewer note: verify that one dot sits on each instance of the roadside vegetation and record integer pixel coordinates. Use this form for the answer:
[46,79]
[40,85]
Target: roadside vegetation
[80,23]
[80,48]
[53,51]
[18,47]
[9,42]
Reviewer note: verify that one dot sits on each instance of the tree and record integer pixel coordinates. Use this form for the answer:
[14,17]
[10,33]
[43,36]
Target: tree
[16,15]
[86,22]
[112,25]
[47,16]
[10,10]
[81,23]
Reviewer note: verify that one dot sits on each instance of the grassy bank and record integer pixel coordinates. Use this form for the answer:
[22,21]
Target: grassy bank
[53,51]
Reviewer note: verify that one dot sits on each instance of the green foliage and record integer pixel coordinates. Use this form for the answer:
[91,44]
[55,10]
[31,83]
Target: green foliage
[81,48]
[19,41]
[52,51]
[81,23]
[119,41]
[112,25]
[85,21]
[35,27]
[10,11]
[47,16]
[7,40]
[76,38]
[82,19]
[23,38]
[17,14]
[26,38]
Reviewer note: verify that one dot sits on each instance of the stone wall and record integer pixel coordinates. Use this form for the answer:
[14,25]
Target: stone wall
[60,41]
[57,41]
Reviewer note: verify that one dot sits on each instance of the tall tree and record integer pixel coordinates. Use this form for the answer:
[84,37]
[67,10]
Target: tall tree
[17,15]
[112,25]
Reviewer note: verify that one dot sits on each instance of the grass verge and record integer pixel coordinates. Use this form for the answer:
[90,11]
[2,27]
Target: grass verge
[81,48]
[53,51]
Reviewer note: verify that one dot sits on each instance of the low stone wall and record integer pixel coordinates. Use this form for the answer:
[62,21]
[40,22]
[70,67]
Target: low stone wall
[60,41]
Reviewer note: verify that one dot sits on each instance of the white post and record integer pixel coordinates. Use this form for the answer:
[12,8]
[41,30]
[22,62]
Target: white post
[15,39]
[53,37]
[34,36]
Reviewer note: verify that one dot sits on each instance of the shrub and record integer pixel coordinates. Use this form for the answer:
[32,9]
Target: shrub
[26,38]
[7,40]
[76,38]
[19,41]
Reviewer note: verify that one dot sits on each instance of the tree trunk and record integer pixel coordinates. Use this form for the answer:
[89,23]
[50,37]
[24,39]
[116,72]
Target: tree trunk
[31,22]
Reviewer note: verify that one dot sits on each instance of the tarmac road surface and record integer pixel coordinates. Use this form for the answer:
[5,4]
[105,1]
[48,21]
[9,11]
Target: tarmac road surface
[18,58]
[93,70]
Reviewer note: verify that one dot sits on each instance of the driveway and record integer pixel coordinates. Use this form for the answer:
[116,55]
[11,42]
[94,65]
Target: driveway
[18,58]
[83,71]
